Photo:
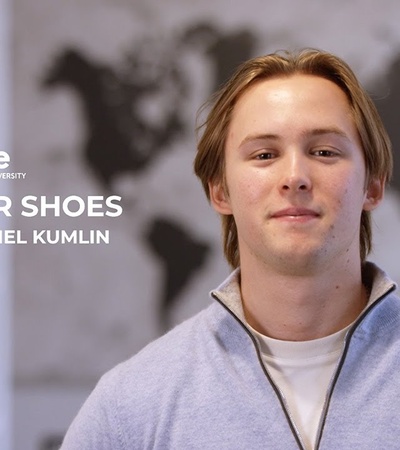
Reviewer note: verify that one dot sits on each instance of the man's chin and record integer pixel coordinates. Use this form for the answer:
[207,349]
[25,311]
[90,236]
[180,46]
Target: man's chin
[297,262]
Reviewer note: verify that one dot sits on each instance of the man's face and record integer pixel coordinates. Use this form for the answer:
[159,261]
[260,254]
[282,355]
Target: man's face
[295,175]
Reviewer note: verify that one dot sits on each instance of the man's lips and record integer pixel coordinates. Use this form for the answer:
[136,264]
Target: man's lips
[295,212]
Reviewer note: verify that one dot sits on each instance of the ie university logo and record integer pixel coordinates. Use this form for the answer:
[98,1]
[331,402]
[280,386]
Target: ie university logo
[4,160]
[4,164]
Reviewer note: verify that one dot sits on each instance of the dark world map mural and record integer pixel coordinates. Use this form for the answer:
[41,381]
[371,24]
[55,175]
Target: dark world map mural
[122,139]
[388,107]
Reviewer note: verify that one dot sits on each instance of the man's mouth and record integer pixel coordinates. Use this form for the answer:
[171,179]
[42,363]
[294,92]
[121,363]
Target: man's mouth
[295,213]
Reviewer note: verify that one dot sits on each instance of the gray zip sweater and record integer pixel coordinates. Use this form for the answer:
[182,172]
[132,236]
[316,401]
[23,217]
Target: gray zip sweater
[203,386]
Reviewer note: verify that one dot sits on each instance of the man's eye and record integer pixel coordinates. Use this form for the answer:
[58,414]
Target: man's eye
[265,155]
[325,153]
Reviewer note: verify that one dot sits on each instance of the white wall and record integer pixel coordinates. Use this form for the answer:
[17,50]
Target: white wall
[5,253]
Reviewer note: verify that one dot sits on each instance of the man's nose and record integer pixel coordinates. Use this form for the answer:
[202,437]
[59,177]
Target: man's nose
[296,176]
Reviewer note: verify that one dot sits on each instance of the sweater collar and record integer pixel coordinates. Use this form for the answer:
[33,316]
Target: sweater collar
[375,279]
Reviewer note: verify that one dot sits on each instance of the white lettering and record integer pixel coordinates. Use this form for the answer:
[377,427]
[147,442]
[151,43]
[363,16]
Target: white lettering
[4,160]
[72,237]
[81,206]
[11,237]
[92,205]
[38,236]
[25,203]
[7,205]
[44,206]
[117,208]
[72,206]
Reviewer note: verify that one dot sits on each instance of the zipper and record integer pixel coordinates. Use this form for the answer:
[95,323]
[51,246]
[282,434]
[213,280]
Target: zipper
[334,379]
[278,392]
[341,363]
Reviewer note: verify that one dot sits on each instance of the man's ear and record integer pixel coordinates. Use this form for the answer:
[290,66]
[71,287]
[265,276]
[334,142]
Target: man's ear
[374,194]
[219,197]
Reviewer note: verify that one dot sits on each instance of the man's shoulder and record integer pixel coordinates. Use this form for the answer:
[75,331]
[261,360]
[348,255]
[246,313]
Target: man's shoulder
[161,360]
[136,393]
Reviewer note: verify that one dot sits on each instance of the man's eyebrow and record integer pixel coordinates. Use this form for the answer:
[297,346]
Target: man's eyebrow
[330,130]
[259,137]
[308,133]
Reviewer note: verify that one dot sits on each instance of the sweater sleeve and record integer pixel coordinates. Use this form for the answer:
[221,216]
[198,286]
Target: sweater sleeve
[96,427]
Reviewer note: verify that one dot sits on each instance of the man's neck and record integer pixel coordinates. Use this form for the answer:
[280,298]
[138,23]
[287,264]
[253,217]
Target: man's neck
[300,308]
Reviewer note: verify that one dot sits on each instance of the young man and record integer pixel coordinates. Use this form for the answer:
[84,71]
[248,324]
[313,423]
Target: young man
[301,347]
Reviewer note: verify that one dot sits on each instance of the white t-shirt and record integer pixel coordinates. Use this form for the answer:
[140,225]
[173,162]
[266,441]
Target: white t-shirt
[302,371]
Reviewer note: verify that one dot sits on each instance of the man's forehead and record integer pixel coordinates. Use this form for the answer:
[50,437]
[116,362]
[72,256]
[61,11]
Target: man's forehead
[318,106]
[278,85]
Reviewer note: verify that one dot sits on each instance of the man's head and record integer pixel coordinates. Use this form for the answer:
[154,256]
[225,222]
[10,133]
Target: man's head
[210,159]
